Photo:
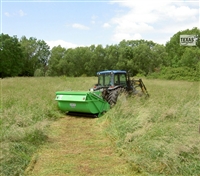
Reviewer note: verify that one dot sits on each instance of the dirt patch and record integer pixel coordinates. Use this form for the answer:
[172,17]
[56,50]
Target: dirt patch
[76,146]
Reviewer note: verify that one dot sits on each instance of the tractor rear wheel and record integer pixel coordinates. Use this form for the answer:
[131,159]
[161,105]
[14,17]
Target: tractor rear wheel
[112,97]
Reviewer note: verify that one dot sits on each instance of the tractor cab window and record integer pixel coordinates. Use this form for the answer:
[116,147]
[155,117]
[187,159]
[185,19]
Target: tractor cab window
[120,79]
[104,80]
[107,79]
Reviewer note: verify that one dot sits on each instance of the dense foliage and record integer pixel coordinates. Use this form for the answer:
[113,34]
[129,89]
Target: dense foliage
[22,57]
[10,56]
[32,57]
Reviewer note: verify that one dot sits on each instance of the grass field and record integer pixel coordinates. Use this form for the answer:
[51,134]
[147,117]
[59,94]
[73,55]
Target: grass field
[159,136]
[156,136]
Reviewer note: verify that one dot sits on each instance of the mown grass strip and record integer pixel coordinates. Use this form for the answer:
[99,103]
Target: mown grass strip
[77,146]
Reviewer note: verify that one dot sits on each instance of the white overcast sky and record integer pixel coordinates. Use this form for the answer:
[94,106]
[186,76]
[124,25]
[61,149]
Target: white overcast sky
[106,22]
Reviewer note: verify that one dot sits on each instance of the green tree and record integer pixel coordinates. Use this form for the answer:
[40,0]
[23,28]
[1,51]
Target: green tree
[80,58]
[57,53]
[97,60]
[43,54]
[29,51]
[36,54]
[94,60]
[158,59]
[11,57]
[175,50]
[190,57]
[137,56]
[111,57]
[67,63]
[125,61]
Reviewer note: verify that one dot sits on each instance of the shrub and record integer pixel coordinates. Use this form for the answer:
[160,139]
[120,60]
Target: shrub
[38,73]
[179,73]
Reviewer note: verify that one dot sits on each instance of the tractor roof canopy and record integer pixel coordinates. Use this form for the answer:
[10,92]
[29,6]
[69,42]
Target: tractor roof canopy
[111,71]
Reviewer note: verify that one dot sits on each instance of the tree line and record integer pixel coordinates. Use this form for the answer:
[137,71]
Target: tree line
[33,57]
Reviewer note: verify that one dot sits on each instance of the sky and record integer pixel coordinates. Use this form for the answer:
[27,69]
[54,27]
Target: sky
[97,22]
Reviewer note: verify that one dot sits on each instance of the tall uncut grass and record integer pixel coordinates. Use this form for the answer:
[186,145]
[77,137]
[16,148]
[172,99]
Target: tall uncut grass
[159,135]
[27,109]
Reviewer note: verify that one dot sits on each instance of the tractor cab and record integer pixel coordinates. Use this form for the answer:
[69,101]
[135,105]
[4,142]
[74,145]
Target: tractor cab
[111,79]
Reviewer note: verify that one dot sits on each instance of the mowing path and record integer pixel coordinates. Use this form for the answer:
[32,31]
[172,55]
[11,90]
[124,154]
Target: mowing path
[77,147]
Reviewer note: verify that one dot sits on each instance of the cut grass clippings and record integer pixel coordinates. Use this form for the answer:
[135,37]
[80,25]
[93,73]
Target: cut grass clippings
[77,146]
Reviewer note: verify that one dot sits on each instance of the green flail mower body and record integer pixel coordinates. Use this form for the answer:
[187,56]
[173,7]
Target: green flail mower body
[82,103]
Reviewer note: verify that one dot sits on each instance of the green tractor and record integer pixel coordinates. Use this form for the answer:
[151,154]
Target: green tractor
[102,96]
[114,82]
